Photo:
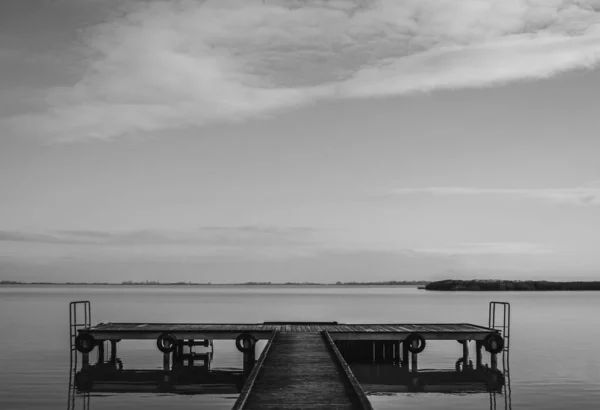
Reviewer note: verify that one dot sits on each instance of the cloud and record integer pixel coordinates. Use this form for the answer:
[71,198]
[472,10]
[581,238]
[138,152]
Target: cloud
[588,194]
[211,236]
[490,248]
[159,65]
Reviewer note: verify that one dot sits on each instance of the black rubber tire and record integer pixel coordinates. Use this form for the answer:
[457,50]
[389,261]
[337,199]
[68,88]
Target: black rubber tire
[493,343]
[166,337]
[409,343]
[239,342]
[85,343]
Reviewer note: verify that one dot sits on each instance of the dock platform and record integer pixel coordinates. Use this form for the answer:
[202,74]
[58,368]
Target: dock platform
[263,331]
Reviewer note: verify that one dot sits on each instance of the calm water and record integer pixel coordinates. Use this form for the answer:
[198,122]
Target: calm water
[554,361]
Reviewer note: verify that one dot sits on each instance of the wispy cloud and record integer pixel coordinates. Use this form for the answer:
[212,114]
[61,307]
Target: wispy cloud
[588,194]
[210,236]
[160,65]
[490,248]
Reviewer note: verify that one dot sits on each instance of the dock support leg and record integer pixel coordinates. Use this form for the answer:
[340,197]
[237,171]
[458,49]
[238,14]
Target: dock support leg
[404,355]
[479,363]
[249,359]
[85,361]
[465,346]
[413,365]
[101,351]
[494,361]
[166,366]
[113,351]
[414,356]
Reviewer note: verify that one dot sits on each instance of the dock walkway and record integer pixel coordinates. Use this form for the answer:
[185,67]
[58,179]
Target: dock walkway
[300,370]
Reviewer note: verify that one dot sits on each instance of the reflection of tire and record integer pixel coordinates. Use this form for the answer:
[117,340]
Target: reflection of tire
[85,342]
[493,343]
[415,337]
[245,342]
[166,343]
[84,381]
[415,383]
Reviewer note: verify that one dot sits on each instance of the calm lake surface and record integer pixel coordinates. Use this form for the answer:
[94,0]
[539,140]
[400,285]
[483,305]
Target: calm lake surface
[554,359]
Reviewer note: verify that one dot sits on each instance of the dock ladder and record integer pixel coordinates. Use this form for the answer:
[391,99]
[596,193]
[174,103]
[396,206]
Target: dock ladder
[499,319]
[84,309]
[500,309]
[80,317]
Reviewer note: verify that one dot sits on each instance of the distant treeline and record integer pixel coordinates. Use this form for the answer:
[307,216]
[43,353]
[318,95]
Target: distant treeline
[157,283]
[510,285]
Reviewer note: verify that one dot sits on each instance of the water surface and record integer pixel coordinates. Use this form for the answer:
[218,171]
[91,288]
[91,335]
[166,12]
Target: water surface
[553,362]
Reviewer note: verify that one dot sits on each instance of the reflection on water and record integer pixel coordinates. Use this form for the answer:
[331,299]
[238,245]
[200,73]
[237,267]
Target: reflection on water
[190,374]
[195,377]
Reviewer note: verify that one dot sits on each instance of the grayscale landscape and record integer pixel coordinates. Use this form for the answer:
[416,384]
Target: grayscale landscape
[299,204]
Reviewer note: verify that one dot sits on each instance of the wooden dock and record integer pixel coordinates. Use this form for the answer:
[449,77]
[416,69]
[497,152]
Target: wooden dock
[303,365]
[299,370]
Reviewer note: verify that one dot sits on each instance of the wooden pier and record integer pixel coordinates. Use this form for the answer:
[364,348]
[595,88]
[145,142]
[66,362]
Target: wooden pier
[303,365]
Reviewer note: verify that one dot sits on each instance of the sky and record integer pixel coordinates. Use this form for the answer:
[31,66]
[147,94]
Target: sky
[299,140]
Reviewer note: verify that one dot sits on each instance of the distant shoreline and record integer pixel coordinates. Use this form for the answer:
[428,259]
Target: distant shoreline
[183,284]
[511,285]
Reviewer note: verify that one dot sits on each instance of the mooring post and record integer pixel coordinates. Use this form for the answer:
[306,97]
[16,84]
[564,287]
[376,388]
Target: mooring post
[478,346]
[465,345]
[249,357]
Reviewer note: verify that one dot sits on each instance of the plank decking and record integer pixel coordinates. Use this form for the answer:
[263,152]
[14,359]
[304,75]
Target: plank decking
[221,331]
[299,370]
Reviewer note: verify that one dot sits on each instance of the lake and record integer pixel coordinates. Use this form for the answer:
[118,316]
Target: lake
[554,360]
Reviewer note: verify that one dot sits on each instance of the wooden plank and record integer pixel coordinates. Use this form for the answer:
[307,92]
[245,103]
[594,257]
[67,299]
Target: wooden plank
[300,371]
[245,393]
[355,386]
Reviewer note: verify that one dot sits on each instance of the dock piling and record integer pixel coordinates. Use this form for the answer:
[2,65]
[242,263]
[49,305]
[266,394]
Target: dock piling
[404,354]
[465,346]
[249,357]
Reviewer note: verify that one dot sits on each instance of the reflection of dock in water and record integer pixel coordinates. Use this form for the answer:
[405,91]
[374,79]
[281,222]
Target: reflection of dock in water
[393,379]
[304,364]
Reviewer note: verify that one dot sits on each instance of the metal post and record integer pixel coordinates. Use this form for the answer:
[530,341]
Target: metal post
[478,346]
[465,355]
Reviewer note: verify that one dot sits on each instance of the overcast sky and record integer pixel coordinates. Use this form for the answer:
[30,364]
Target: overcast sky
[299,140]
